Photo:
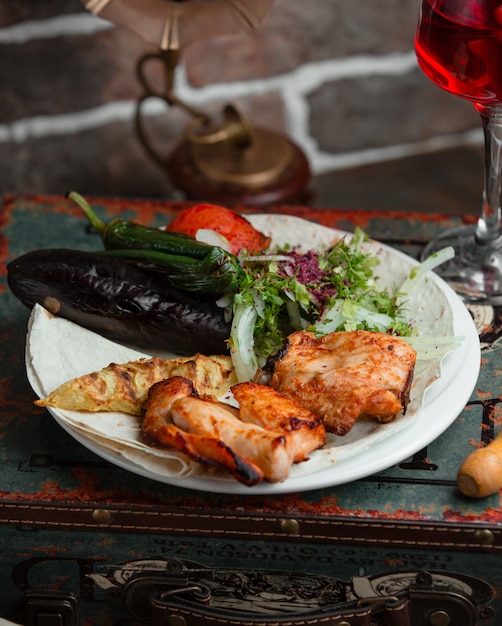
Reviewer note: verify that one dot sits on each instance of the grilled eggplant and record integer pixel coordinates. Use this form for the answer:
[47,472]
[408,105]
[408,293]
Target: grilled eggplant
[119,300]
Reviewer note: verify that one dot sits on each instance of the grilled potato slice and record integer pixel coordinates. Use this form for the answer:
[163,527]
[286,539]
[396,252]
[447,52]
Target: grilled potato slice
[124,387]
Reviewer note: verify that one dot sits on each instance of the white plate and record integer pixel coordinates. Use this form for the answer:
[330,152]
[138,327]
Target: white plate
[443,402]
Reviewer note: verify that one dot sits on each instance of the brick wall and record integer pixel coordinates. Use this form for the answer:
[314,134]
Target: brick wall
[338,76]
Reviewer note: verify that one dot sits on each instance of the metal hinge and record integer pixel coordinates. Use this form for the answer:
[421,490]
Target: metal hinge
[438,605]
[50,608]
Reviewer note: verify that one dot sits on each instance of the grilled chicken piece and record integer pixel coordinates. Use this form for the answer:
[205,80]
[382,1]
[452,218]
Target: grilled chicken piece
[260,440]
[271,451]
[266,407]
[344,375]
[158,429]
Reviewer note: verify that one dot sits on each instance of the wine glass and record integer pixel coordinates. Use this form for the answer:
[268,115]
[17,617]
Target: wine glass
[459,47]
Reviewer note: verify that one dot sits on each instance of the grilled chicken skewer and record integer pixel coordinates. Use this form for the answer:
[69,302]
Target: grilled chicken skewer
[343,376]
[260,441]
[266,407]
[272,452]
[159,429]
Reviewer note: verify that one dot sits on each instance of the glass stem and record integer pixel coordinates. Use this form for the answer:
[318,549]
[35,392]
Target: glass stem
[489,225]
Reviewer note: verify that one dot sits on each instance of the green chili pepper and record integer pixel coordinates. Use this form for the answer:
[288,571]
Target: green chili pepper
[123,234]
[188,264]
[215,273]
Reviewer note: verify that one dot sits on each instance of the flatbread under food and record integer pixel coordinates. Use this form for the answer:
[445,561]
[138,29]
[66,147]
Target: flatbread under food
[123,387]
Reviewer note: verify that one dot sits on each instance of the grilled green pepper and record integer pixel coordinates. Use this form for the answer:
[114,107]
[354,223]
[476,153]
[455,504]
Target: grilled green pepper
[193,265]
[124,234]
[215,273]
[120,300]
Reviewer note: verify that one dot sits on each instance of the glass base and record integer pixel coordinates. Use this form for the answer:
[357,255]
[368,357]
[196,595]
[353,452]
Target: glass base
[475,273]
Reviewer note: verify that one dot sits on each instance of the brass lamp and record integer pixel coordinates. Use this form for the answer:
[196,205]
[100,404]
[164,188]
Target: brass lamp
[228,161]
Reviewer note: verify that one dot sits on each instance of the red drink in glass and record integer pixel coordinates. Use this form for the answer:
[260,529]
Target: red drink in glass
[459,47]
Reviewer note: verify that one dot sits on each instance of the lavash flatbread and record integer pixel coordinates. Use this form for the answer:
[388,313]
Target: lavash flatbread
[75,351]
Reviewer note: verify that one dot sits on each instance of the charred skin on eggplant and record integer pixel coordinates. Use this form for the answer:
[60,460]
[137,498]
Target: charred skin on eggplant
[119,300]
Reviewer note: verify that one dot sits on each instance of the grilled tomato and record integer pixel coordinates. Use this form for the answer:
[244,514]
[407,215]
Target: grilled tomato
[237,230]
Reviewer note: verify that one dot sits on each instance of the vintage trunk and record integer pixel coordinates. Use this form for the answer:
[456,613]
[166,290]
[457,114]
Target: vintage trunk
[76,529]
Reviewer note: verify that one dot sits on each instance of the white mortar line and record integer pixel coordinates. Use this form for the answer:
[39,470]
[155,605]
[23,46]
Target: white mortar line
[60,26]
[66,123]
[331,162]
[320,162]
[296,83]
[303,79]
[294,88]
[308,78]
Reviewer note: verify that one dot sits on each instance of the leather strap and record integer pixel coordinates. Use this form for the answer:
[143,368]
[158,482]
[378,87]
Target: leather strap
[188,594]
[172,613]
[167,611]
[414,607]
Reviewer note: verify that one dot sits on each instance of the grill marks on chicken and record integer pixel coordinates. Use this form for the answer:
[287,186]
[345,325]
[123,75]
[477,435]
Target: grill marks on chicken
[344,376]
[266,407]
[159,429]
[258,442]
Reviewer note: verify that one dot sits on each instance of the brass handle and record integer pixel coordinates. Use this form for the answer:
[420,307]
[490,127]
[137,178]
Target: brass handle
[237,130]
[169,59]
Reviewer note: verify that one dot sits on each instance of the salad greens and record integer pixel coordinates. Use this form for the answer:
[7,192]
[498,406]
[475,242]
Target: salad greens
[322,291]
